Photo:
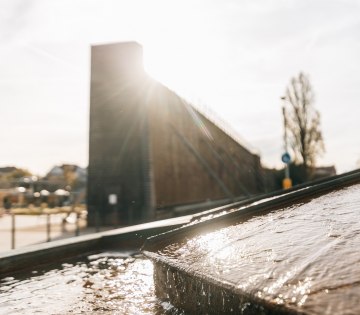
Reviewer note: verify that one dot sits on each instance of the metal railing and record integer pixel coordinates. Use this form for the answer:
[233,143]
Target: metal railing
[224,126]
[48,212]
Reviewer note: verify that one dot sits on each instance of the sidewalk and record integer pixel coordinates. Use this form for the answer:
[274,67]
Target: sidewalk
[32,229]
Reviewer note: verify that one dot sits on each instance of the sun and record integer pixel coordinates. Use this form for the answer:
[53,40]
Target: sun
[161,65]
[180,68]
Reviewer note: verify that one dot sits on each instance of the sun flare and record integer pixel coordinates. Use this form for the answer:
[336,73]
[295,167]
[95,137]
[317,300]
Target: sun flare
[184,70]
[162,67]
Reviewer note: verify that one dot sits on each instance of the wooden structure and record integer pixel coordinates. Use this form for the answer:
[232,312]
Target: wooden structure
[149,149]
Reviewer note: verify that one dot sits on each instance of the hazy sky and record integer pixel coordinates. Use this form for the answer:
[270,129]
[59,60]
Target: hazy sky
[235,56]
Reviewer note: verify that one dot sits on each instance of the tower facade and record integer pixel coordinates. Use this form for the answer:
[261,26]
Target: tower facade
[117,168]
[150,150]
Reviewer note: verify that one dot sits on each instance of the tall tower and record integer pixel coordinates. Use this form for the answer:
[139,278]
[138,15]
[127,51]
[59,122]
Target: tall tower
[150,151]
[118,170]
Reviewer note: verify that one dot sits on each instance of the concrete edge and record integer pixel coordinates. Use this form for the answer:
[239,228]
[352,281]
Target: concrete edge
[190,290]
[247,211]
[247,201]
[185,287]
[45,253]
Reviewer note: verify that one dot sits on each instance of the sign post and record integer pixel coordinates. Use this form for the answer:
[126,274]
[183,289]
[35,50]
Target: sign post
[287,183]
[286,158]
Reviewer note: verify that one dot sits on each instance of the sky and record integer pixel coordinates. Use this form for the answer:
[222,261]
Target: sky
[232,57]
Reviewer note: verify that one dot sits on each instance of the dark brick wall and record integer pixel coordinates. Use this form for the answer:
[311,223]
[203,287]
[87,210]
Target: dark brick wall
[194,160]
[151,148]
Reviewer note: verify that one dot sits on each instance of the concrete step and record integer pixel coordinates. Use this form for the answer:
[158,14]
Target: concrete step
[295,253]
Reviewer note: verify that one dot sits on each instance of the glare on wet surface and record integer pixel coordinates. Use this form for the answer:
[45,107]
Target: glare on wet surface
[305,256]
[108,283]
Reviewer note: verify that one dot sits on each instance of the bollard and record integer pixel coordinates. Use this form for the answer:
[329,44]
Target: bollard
[77,230]
[48,227]
[12,230]
[63,223]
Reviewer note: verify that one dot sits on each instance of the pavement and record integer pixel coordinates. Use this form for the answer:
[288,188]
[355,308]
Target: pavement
[32,229]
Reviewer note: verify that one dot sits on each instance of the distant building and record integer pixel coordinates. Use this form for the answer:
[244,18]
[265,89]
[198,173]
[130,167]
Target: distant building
[323,172]
[66,182]
[5,172]
[150,151]
[70,176]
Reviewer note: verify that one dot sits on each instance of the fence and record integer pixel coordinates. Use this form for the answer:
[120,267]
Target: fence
[76,213]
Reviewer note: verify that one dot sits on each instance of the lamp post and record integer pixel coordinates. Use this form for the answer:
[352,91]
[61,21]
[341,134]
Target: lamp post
[286,158]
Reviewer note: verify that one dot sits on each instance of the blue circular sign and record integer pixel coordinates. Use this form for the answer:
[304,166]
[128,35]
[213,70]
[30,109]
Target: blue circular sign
[286,158]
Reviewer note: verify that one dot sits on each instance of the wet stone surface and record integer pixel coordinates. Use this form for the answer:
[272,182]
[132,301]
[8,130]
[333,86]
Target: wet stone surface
[305,257]
[107,283]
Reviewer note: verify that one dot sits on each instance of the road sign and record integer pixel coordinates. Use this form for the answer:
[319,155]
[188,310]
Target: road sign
[286,158]
[112,198]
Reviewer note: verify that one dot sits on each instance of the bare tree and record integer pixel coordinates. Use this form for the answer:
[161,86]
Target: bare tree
[302,122]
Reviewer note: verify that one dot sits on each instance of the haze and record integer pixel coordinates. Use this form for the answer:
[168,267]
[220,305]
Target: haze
[235,57]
